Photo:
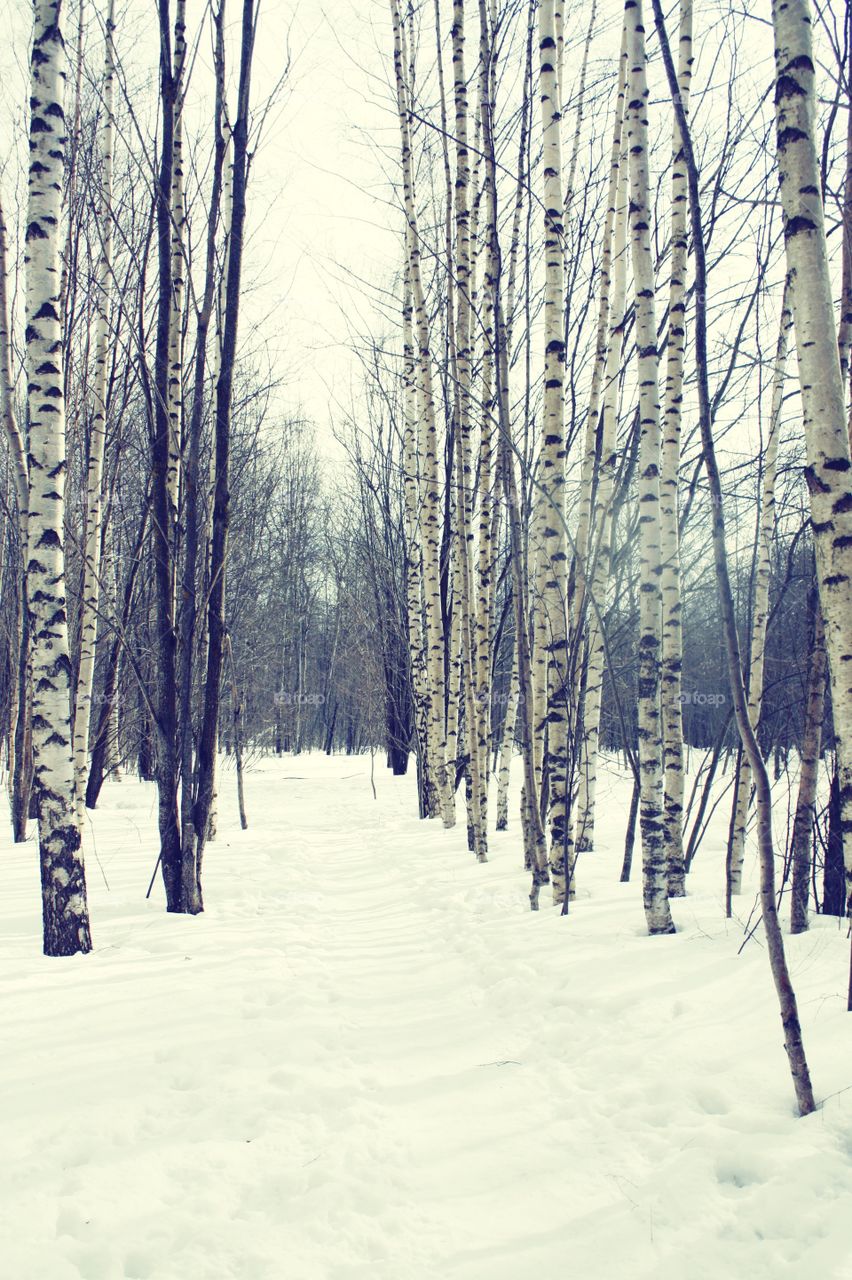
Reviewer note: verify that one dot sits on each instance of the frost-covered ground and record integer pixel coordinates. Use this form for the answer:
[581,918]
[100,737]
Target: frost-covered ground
[367,1059]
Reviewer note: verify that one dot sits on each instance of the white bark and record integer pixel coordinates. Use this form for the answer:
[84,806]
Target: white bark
[64,908]
[602,525]
[97,439]
[655,891]
[828,469]
[549,538]
[670,581]
[430,523]
[178,220]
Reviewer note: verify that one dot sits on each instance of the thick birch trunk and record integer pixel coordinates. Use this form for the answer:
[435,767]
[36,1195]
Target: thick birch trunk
[64,908]
[655,886]
[828,472]
[97,439]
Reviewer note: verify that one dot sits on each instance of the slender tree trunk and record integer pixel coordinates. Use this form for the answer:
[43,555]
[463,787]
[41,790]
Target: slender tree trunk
[507,748]
[803,823]
[654,859]
[193,571]
[101,745]
[772,928]
[176,314]
[63,881]
[462,439]
[167,757]
[430,524]
[97,439]
[549,538]
[766,530]
[670,581]
[237,713]
[208,735]
[535,843]
[428,796]
[594,528]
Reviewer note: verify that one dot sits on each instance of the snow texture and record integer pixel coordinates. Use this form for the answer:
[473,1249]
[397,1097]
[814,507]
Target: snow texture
[368,1059]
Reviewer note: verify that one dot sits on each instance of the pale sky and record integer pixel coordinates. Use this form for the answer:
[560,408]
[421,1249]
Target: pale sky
[318,206]
[324,225]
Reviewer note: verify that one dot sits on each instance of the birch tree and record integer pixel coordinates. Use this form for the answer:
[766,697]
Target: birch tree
[549,538]
[64,907]
[788,1007]
[670,584]
[427,435]
[828,471]
[654,861]
[97,435]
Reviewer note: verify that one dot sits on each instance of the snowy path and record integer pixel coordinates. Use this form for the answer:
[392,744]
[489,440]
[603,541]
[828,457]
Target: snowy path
[367,1059]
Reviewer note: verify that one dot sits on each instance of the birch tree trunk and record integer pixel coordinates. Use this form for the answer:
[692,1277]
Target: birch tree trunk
[603,527]
[788,1009]
[464,493]
[510,719]
[176,313]
[599,368]
[64,908]
[163,522]
[535,843]
[828,470]
[670,584]
[760,616]
[430,524]
[428,799]
[97,438]
[20,698]
[803,823]
[506,749]
[654,862]
[549,538]
[488,516]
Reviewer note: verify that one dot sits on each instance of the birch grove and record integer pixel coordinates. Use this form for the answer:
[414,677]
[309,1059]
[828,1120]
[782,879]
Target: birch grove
[543,546]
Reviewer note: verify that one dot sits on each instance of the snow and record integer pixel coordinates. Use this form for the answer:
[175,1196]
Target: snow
[369,1059]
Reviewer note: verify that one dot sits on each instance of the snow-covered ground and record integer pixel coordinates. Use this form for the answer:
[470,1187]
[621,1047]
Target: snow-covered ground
[367,1059]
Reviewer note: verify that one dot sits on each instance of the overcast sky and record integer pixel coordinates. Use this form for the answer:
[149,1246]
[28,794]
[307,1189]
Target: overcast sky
[320,212]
